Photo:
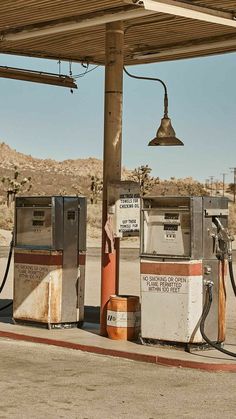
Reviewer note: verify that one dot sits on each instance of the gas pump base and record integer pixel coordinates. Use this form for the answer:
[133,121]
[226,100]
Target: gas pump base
[173,301]
[187,347]
[43,295]
[49,326]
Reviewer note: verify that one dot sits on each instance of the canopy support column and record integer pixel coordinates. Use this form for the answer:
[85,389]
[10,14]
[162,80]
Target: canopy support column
[111,156]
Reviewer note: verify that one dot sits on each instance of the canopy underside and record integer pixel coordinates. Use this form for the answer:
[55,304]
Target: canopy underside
[152,37]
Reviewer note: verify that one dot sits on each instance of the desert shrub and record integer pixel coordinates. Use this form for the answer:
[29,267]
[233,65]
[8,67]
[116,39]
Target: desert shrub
[180,187]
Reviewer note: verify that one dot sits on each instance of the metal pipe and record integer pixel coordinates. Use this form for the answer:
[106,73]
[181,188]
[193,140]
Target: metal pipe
[112,155]
[37,77]
[152,79]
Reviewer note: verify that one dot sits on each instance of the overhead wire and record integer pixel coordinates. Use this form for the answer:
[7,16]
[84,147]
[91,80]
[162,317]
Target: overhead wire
[76,76]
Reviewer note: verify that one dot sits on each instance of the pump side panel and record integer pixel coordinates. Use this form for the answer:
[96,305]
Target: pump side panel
[70,275]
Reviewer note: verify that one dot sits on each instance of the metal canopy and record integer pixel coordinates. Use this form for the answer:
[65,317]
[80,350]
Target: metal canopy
[74,30]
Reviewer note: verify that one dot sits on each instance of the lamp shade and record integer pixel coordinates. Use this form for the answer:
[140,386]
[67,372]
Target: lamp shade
[165,135]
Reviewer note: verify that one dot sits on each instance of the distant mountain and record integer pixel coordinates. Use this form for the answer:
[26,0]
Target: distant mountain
[51,176]
[83,167]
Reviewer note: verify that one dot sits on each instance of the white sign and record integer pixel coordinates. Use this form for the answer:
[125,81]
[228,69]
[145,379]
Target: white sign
[129,213]
[125,196]
[165,284]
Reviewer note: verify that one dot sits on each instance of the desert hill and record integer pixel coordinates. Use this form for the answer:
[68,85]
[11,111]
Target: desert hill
[73,176]
[50,176]
[81,167]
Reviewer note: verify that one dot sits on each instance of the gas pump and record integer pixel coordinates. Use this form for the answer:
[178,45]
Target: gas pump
[184,247]
[49,260]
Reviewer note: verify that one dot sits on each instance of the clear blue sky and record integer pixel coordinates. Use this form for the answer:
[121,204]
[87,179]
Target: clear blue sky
[50,122]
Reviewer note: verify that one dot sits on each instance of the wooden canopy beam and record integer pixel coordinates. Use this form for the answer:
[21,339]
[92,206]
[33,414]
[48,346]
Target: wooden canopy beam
[55,27]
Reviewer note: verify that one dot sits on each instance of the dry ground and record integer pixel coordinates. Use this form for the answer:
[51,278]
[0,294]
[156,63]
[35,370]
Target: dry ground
[38,381]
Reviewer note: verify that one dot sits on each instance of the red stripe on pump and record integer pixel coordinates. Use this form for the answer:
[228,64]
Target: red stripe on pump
[38,259]
[42,259]
[178,269]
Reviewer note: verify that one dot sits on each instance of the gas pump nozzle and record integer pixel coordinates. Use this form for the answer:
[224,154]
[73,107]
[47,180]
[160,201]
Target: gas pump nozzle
[224,248]
[224,241]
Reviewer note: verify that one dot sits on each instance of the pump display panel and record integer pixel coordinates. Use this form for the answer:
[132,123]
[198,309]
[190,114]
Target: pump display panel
[35,227]
[166,230]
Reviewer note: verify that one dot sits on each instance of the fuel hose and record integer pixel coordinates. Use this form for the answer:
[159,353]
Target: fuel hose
[6,274]
[205,313]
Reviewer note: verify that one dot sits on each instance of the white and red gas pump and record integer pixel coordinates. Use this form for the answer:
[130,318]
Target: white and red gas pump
[184,247]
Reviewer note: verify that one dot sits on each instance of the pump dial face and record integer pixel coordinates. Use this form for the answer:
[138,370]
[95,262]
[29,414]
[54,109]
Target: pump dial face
[171,216]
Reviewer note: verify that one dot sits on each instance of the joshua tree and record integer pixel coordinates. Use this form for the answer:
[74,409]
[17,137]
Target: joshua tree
[142,176]
[96,186]
[14,186]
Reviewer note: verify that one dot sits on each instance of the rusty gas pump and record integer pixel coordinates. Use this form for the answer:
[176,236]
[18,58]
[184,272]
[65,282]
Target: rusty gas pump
[49,260]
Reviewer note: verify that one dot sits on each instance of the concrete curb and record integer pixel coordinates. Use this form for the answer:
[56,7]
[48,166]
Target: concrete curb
[154,359]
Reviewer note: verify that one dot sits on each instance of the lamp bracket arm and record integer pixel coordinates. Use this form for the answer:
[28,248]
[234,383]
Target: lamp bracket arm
[152,79]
